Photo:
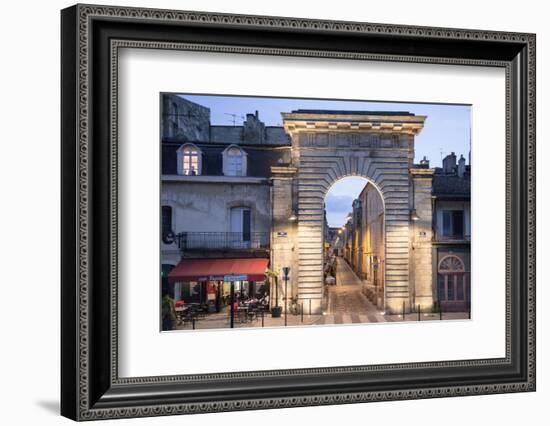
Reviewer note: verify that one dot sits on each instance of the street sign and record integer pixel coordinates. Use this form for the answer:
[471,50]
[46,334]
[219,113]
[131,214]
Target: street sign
[232,278]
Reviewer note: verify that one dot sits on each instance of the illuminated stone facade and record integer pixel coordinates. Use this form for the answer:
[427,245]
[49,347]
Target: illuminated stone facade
[330,145]
[400,247]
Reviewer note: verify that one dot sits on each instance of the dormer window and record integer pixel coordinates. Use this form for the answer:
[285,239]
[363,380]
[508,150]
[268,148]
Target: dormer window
[234,161]
[189,160]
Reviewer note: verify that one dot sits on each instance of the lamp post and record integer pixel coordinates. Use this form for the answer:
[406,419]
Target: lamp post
[232,308]
[286,270]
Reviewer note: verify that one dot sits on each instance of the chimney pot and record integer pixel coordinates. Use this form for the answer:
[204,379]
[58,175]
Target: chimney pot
[449,163]
[461,166]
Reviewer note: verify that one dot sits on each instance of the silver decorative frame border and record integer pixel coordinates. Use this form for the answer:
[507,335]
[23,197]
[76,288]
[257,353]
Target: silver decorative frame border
[88,12]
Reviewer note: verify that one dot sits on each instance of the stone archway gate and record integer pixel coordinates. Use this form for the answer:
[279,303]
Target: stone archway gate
[329,145]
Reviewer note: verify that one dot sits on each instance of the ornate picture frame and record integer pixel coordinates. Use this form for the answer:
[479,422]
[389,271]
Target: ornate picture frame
[91,37]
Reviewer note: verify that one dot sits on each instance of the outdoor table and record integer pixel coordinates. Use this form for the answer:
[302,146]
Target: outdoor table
[242,311]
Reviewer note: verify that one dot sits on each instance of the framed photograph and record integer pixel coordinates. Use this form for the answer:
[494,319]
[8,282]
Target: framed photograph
[264,212]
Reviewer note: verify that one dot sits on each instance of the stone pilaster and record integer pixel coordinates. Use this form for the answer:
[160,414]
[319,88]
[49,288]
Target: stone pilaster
[283,230]
[421,240]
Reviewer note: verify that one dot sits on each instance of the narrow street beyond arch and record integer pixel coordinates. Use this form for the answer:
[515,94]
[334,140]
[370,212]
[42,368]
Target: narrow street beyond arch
[346,302]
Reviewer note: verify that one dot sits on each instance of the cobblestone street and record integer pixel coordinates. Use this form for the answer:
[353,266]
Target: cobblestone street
[346,303]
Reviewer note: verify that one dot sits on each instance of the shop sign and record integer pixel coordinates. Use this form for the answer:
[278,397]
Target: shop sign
[231,278]
[216,278]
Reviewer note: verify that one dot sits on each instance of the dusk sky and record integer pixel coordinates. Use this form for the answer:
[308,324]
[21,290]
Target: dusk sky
[447,129]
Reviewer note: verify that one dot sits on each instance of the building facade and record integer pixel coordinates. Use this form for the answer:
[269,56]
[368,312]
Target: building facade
[252,191]
[215,202]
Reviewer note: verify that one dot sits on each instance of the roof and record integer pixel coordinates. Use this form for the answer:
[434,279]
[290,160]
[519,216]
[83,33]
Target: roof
[451,186]
[259,161]
[272,135]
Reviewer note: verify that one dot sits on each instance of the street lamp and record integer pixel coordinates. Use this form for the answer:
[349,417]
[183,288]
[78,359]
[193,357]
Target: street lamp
[293,217]
[414,216]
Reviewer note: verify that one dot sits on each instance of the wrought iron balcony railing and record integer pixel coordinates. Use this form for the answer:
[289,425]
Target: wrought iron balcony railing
[222,240]
[452,238]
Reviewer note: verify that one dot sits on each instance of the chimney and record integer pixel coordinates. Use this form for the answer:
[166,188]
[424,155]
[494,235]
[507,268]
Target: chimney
[425,163]
[461,166]
[253,129]
[449,163]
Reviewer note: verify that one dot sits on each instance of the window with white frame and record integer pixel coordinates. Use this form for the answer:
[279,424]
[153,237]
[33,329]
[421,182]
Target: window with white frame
[189,160]
[234,161]
[241,226]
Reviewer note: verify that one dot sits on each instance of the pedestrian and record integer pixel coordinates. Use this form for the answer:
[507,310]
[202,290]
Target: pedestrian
[168,312]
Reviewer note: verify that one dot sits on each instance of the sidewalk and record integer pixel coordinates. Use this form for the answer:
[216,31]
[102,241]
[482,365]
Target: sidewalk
[221,321]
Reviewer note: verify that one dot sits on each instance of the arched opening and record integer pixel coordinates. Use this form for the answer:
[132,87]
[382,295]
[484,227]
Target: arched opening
[354,246]
[452,285]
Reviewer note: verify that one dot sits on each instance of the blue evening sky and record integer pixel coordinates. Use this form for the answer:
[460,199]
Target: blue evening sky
[447,129]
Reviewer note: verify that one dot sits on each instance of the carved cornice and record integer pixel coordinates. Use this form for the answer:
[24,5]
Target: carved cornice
[283,171]
[421,173]
[315,122]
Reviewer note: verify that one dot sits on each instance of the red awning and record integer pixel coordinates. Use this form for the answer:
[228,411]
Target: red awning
[216,269]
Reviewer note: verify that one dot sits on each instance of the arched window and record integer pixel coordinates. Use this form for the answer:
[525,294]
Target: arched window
[451,279]
[234,161]
[189,160]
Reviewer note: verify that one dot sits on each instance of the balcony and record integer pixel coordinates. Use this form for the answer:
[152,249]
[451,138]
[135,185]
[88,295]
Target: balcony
[452,238]
[223,241]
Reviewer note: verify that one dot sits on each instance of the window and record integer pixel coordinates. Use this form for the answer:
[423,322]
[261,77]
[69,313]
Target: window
[166,220]
[189,160]
[234,161]
[451,279]
[453,223]
[165,270]
[240,227]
